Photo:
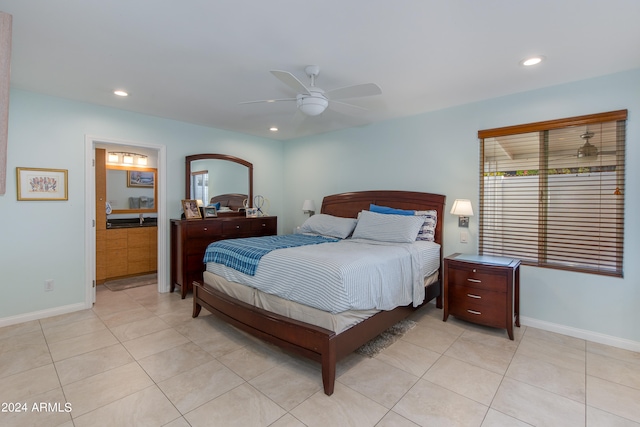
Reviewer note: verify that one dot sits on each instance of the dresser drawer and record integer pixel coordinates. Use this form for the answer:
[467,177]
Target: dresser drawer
[236,228]
[203,229]
[197,246]
[263,226]
[462,275]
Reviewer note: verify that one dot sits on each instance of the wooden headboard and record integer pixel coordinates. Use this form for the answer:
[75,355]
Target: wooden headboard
[233,201]
[348,205]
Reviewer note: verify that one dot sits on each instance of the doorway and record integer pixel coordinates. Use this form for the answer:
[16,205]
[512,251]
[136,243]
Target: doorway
[159,153]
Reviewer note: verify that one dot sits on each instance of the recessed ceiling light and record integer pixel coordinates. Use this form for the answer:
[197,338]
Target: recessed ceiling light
[273,129]
[534,60]
[120,93]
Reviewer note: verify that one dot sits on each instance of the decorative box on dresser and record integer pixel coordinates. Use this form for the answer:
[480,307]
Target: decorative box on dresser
[483,290]
[190,238]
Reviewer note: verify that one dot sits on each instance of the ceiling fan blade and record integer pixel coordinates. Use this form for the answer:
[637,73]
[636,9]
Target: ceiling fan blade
[291,81]
[355,91]
[267,100]
[345,107]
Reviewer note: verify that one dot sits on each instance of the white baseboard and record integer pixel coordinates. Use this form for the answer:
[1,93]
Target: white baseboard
[525,321]
[36,315]
[581,333]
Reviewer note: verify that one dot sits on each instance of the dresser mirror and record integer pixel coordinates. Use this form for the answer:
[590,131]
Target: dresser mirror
[131,190]
[211,175]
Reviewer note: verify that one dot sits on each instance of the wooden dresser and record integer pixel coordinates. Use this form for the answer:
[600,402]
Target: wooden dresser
[190,238]
[483,289]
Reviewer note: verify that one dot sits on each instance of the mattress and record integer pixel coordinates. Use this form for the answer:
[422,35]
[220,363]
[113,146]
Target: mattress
[336,322]
[351,274]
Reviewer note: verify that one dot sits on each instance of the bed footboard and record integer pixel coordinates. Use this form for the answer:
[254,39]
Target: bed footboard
[302,338]
[310,341]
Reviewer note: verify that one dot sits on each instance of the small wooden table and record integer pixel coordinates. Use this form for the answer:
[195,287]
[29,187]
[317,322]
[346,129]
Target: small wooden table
[482,289]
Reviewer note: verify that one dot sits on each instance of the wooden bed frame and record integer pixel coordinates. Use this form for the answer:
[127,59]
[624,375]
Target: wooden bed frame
[311,341]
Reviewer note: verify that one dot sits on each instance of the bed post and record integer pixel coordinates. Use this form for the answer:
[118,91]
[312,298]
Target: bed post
[329,367]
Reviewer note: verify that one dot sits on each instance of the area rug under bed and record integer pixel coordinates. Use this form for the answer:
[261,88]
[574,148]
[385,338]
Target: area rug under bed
[386,338]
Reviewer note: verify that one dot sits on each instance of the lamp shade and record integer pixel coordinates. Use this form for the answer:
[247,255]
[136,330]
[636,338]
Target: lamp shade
[462,207]
[308,205]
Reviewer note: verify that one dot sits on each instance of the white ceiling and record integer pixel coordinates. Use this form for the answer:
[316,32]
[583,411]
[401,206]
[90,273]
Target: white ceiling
[196,60]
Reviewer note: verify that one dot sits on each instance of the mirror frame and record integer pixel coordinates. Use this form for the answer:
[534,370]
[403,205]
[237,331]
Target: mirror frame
[189,159]
[155,189]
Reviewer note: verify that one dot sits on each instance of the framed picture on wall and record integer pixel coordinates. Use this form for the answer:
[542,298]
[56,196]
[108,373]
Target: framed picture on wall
[144,179]
[210,212]
[42,184]
[191,209]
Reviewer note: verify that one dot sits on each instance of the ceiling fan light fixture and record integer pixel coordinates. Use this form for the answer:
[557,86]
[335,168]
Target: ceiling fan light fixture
[587,150]
[312,105]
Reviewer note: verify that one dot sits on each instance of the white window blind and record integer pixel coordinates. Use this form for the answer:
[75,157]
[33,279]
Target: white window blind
[552,193]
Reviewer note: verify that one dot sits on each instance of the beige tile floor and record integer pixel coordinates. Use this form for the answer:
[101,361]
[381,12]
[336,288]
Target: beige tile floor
[130,362]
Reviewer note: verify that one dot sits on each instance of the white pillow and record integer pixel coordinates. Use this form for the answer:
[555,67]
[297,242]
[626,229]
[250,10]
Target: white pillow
[329,225]
[428,229]
[387,227]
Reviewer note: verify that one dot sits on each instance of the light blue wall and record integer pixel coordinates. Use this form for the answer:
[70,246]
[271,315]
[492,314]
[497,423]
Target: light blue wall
[45,240]
[438,152]
[433,152]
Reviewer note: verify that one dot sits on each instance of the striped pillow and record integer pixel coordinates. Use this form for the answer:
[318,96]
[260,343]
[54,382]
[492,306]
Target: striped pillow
[328,225]
[387,228]
[428,229]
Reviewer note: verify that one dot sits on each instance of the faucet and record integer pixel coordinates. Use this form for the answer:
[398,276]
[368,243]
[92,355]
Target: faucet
[141,219]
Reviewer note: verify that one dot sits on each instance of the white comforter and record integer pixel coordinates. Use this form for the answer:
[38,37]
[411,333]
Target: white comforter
[353,274]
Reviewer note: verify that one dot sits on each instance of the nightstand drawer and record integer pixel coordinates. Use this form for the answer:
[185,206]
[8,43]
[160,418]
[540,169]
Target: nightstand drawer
[474,296]
[478,305]
[477,278]
[483,314]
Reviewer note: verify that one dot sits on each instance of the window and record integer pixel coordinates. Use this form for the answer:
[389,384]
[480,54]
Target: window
[200,185]
[552,193]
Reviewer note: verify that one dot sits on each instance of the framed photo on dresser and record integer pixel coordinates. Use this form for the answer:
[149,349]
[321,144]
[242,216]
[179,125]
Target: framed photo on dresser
[210,212]
[191,209]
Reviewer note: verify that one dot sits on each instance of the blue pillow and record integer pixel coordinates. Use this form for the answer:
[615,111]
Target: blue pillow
[388,210]
[216,205]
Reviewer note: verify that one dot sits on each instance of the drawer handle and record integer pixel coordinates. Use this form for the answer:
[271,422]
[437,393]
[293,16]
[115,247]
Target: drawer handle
[475,280]
[205,229]
[237,226]
[264,225]
[474,296]
[474,312]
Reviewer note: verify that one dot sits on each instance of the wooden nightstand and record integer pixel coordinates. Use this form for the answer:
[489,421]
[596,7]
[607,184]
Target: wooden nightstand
[482,289]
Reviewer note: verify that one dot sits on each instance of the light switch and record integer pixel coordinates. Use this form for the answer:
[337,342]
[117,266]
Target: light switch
[464,237]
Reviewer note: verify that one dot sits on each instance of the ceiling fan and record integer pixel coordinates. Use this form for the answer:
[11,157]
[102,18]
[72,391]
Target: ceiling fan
[313,101]
[588,150]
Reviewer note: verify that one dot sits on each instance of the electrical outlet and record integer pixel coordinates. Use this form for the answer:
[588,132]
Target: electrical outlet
[48,285]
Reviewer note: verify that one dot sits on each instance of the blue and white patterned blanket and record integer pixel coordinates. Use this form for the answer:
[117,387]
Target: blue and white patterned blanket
[245,254]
